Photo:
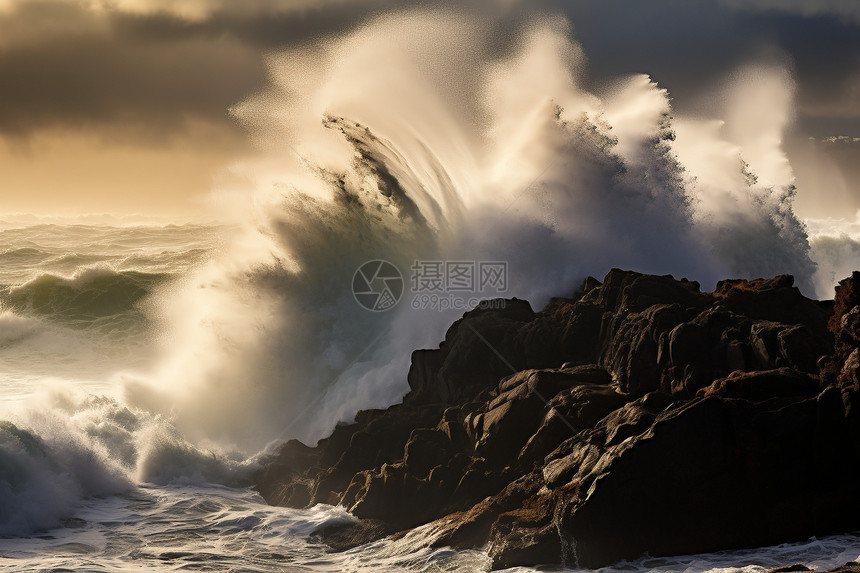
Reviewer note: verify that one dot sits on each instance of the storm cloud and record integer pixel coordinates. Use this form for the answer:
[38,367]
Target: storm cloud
[145,73]
[154,63]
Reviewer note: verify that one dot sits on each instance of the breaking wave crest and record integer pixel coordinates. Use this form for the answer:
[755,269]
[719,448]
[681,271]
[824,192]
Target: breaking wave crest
[417,137]
[91,294]
[42,482]
[65,447]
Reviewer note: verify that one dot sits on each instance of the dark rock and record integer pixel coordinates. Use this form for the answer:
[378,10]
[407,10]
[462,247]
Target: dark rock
[764,385]
[472,528]
[641,415]
[571,411]
[467,529]
[588,285]
[548,383]
[586,405]
[687,342]
[850,567]
[849,326]
[776,345]
[840,367]
[536,410]
[523,531]
[425,450]
[526,535]
[801,348]
[506,428]
[774,300]
[282,481]
[559,471]
[730,460]
[646,485]
[847,297]
[514,545]
[849,377]
[381,439]
[765,344]
[562,332]
[344,536]
[630,354]
[386,493]
[633,292]
[468,359]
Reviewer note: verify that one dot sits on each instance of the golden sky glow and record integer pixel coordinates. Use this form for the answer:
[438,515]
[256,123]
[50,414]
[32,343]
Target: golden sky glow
[78,172]
[122,105]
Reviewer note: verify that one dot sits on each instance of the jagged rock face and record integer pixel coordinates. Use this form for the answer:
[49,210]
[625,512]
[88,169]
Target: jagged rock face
[641,416]
[715,473]
[842,368]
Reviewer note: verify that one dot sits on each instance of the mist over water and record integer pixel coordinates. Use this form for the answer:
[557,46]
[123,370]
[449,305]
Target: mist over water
[426,136]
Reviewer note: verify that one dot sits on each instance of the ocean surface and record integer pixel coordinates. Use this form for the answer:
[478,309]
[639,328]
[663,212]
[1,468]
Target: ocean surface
[91,481]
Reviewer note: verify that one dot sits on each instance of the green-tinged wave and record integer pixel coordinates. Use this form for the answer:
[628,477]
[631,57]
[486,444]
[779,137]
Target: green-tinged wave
[91,295]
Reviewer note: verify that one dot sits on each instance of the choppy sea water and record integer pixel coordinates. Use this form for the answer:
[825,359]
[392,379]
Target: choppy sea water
[215,528]
[89,482]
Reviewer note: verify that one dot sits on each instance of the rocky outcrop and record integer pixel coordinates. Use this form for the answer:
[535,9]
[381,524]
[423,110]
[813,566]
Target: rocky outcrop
[641,415]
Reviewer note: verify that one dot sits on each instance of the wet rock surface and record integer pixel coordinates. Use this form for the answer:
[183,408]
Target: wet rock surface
[641,415]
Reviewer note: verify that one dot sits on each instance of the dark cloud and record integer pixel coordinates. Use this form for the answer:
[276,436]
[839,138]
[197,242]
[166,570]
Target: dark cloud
[147,67]
[848,10]
[66,65]
[62,66]
[80,82]
[689,47]
[152,65]
[262,30]
[681,44]
[826,52]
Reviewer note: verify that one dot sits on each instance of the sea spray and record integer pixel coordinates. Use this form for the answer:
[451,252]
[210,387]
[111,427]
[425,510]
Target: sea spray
[62,446]
[45,473]
[416,137]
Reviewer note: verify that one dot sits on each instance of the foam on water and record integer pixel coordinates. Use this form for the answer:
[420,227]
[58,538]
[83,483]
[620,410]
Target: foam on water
[44,479]
[157,528]
[216,528]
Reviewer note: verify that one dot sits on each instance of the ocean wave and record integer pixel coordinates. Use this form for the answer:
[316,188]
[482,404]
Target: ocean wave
[75,260]
[166,261]
[62,447]
[165,457]
[35,350]
[22,253]
[490,158]
[15,328]
[90,294]
[42,481]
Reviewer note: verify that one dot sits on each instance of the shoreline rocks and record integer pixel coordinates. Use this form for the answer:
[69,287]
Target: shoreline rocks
[642,415]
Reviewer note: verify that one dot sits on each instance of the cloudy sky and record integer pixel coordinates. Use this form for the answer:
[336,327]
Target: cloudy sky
[122,105]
